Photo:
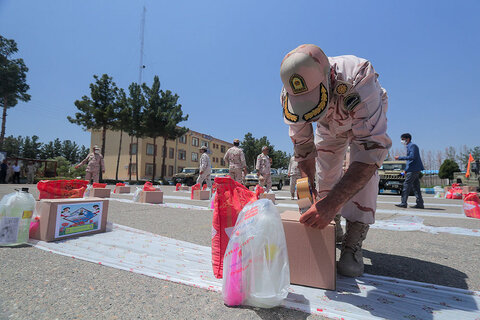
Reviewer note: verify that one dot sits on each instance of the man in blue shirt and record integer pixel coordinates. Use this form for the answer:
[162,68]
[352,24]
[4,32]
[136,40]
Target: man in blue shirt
[412,172]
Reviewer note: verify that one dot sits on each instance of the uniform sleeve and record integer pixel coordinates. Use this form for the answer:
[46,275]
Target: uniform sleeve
[84,161]
[410,154]
[259,160]
[242,160]
[225,157]
[303,141]
[370,143]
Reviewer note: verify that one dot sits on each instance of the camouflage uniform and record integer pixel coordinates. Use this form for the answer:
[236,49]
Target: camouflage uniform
[363,128]
[205,168]
[94,163]
[236,163]
[263,168]
[294,173]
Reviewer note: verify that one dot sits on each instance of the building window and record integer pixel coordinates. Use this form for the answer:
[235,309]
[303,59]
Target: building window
[183,139]
[194,142]
[171,153]
[222,162]
[194,156]
[222,149]
[133,148]
[133,168]
[204,143]
[150,149]
[180,169]
[170,171]
[149,169]
[182,155]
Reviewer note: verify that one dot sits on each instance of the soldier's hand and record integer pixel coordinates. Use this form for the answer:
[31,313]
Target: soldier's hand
[319,215]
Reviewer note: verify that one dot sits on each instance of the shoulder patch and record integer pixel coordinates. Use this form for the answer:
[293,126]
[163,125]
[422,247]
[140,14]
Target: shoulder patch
[351,101]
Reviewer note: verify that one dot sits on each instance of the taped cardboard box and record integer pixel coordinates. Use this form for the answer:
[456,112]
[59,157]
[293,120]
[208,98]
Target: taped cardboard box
[155,197]
[184,188]
[122,189]
[100,193]
[201,195]
[66,218]
[269,196]
[311,252]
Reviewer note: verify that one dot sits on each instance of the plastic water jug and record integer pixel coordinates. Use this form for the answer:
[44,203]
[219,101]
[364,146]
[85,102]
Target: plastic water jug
[16,210]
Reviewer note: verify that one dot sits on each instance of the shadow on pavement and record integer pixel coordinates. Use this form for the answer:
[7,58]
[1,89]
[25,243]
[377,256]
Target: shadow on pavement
[414,269]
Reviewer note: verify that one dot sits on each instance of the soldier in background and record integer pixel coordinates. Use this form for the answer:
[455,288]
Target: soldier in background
[205,168]
[95,163]
[263,169]
[235,158]
[31,170]
[294,174]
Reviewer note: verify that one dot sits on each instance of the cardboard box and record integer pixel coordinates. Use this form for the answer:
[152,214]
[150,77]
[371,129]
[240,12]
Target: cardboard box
[122,189]
[67,218]
[270,196]
[201,195]
[151,197]
[100,193]
[468,189]
[185,188]
[311,252]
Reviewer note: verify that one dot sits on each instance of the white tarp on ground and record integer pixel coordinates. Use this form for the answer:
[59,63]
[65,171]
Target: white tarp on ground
[367,297]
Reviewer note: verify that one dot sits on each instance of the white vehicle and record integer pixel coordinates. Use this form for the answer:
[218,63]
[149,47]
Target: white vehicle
[219,172]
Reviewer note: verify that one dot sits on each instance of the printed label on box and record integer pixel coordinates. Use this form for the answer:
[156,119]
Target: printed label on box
[9,229]
[77,218]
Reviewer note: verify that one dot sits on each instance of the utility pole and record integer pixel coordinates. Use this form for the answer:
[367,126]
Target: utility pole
[142,34]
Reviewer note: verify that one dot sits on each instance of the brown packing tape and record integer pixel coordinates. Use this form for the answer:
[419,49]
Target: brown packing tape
[303,189]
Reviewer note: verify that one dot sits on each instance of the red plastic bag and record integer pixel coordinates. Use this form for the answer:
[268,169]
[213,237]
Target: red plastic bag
[194,187]
[471,205]
[454,193]
[204,187]
[60,189]
[259,190]
[148,186]
[177,186]
[119,184]
[230,199]
[99,185]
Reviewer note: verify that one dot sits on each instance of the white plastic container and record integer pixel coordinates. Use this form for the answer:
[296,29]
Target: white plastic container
[16,211]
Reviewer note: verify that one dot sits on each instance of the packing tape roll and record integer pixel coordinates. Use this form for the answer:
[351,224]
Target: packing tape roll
[303,189]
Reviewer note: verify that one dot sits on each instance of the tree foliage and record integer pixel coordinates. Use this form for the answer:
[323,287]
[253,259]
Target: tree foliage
[13,80]
[447,169]
[98,111]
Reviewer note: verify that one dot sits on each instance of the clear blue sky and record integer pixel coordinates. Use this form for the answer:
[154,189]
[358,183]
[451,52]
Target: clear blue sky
[223,59]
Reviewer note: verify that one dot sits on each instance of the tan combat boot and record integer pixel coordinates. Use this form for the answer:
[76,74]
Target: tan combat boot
[338,229]
[351,258]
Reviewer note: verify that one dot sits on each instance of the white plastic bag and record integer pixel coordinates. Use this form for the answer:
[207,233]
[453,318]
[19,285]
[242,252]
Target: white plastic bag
[136,195]
[88,190]
[256,270]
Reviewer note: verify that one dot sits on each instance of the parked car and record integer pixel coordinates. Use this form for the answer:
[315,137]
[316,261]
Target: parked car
[278,179]
[392,176]
[188,176]
[219,172]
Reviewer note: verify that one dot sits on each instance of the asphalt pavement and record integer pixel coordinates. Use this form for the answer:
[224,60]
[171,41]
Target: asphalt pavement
[37,284]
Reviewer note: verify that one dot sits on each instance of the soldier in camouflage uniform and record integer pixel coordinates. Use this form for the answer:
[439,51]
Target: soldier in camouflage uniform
[31,170]
[294,174]
[205,168]
[235,159]
[95,163]
[263,169]
[343,96]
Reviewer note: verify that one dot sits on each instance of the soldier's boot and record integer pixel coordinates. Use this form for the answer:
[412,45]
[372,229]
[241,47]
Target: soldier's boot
[338,229]
[351,257]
